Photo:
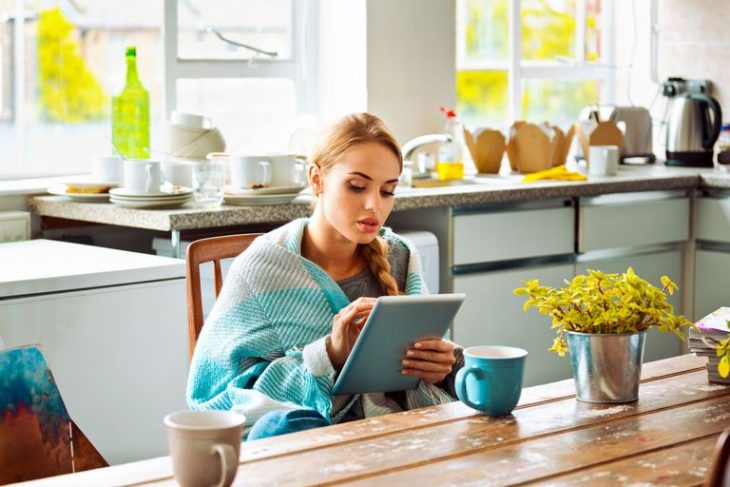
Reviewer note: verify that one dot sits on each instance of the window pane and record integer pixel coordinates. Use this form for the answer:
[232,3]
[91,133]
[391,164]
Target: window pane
[252,114]
[557,101]
[548,29]
[487,29]
[594,36]
[74,62]
[265,24]
[482,98]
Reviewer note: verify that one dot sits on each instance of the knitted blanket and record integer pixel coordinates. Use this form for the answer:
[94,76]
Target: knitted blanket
[263,345]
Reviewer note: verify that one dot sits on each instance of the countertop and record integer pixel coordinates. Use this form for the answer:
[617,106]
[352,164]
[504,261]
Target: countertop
[484,189]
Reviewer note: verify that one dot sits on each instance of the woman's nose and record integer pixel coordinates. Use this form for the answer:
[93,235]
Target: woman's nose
[372,202]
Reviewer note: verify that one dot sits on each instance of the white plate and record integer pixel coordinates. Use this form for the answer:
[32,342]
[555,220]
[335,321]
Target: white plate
[87,182]
[230,190]
[149,204]
[153,200]
[125,193]
[259,199]
[85,197]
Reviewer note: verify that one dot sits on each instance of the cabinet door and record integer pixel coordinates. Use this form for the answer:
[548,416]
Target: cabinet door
[712,274]
[119,357]
[492,315]
[651,267]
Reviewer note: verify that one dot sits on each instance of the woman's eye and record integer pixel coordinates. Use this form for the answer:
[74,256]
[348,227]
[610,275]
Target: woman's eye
[357,189]
[387,193]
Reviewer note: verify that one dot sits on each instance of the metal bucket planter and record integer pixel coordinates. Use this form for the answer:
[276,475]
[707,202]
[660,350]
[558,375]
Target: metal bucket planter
[606,368]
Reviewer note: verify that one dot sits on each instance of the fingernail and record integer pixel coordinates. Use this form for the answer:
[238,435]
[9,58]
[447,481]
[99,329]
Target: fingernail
[417,345]
[404,372]
[405,362]
[409,353]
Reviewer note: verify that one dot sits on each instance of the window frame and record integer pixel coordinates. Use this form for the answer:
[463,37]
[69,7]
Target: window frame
[518,70]
[301,68]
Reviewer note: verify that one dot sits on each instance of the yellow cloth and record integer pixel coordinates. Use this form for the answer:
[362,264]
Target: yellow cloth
[557,172]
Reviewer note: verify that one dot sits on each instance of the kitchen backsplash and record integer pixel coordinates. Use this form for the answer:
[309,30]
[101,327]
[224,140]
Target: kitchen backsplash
[694,42]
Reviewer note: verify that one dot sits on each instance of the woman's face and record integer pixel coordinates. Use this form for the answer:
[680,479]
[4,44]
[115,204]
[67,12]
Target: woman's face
[357,191]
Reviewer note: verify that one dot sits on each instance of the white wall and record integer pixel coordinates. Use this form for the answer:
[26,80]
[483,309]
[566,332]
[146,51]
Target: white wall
[396,59]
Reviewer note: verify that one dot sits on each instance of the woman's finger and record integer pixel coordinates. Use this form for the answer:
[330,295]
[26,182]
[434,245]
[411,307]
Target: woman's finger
[437,344]
[440,357]
[425,366]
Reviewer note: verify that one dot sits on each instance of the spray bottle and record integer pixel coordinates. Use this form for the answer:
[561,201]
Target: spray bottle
[449,164]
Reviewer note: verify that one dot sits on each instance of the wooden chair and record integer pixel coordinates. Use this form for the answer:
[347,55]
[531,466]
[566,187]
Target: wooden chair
[720,465]
[212,249]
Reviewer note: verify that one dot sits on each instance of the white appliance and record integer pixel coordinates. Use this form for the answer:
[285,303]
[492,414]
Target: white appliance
[112,326]
[427,246]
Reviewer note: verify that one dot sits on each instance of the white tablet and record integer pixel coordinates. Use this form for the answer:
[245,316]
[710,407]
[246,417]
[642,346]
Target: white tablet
[394,325]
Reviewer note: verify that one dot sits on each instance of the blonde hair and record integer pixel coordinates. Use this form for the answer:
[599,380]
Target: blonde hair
[349,131]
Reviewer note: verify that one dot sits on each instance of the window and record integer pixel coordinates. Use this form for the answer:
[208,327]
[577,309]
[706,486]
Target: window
[61,61]
[538,60]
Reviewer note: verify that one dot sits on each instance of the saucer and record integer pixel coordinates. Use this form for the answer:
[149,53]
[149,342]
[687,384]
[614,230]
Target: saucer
[149,204]
[60,190]
[287,190]
[258,199]
[125,193]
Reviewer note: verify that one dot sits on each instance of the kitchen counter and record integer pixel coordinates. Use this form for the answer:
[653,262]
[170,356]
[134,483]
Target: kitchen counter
[479,191]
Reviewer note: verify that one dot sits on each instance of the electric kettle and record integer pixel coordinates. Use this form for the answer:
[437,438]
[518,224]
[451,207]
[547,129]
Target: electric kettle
[693,127]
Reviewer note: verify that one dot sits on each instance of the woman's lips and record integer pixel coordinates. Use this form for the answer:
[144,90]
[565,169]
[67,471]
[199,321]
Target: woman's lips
[369,225]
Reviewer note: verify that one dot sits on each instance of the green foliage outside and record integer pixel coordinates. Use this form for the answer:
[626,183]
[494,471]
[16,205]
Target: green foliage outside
[68,90]
[547,33]
[604,303]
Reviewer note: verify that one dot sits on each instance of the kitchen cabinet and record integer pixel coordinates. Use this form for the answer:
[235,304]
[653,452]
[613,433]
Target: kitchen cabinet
[493,315]
[494,248]
[646,231]
[112,326]
[712,257]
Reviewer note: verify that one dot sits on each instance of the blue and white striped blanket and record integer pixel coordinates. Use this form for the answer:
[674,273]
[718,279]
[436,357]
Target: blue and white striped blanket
[263,346]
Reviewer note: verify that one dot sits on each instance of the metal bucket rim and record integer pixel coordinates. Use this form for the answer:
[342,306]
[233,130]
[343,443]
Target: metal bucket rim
[605,334]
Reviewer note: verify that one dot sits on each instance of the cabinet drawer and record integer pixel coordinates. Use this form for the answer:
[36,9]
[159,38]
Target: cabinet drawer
[632,221]
[713,219]
[514,234]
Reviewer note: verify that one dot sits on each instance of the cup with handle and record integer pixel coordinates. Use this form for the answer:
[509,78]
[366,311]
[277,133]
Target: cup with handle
[142,176]
[204,446]
[491,379]
[250,171]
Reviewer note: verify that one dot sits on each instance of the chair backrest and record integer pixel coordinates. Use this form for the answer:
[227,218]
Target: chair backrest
[720,465]
[213,250]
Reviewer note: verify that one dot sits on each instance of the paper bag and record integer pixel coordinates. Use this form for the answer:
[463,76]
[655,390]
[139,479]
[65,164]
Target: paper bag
[486,148]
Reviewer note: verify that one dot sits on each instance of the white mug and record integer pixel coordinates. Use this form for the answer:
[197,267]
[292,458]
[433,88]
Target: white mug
[142,176]
[287,170]
[603,160]
[250,171]
[108,169]
[204,446]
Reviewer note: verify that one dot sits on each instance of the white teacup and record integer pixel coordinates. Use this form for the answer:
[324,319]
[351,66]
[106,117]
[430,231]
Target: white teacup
[108,169]
[250,171]
[285,169]
[204,446]
[603,160]
[142,176]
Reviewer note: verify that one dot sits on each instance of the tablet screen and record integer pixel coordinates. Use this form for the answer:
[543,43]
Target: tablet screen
[394,325]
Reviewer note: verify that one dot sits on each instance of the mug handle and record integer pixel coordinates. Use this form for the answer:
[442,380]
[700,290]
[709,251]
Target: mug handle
[229,462]
[148,174]
[300,171]
[460,384]
[266,167]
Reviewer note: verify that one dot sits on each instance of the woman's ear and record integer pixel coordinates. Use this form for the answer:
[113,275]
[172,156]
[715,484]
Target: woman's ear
[314,173]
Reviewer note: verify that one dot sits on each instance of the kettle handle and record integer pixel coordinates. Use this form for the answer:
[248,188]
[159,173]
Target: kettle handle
[708,140]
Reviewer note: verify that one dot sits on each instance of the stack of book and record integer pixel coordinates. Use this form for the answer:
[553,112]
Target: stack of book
[711,329]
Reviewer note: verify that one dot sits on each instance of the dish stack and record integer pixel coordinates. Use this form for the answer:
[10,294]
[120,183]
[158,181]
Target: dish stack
[172,198]
[702,341]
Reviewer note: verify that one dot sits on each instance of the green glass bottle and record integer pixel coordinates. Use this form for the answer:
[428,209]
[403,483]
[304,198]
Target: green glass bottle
[131,114]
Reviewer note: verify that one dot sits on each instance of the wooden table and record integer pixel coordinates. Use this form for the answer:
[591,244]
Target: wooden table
[665,438]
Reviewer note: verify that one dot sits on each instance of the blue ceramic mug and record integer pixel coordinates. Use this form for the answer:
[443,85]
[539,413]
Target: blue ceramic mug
[491,379]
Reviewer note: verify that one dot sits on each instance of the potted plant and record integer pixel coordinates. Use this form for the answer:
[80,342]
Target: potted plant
[601,320]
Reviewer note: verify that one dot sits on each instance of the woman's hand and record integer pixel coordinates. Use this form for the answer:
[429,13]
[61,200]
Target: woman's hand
[431,360]
[346,327]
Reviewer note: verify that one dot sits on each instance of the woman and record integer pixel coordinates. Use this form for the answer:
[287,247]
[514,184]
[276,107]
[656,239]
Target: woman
[292,304]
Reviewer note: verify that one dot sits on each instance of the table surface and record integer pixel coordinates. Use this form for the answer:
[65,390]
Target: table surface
[666,437]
